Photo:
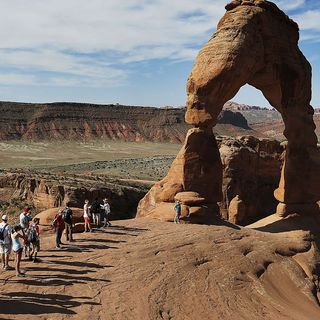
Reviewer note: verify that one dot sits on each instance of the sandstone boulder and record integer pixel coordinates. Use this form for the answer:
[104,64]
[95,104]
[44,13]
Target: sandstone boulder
[46,217]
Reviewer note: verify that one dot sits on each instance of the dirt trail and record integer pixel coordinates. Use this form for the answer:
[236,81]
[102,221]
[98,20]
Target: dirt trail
[145,269]
[67,282]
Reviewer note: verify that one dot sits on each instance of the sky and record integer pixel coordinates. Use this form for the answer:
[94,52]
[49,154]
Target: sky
[135,52]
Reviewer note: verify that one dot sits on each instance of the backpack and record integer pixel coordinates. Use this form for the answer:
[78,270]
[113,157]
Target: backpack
[32,235]
[66,215]
[95,207]
[2,232]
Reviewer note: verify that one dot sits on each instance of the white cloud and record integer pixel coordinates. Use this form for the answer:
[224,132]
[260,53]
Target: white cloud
[309,20]
[290,4]
[43,35]
[81,42]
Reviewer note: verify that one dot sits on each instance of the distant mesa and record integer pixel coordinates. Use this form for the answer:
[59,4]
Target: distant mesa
[74,121]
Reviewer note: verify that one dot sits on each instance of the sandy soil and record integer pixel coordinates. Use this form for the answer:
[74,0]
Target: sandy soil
[146,269]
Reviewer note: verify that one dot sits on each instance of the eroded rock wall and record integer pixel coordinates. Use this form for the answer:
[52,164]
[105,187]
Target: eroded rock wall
[48,191]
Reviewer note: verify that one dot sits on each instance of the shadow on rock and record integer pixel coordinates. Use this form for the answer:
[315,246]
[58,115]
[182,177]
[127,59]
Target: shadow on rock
[33,303]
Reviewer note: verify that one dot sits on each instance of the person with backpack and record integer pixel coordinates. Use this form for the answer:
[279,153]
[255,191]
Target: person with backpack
[95,211]
[5,242]
[86,216]
[67,217]
[106,212]
[17,248]
[58,224]
[34,239]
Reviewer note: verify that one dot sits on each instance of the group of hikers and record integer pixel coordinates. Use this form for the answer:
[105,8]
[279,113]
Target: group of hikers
[25,236]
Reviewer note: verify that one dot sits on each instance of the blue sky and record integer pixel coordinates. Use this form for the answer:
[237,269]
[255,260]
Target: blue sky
[137,52]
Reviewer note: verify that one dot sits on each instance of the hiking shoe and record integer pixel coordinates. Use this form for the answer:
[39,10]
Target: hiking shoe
[20,275]
[5,268]
[58,247]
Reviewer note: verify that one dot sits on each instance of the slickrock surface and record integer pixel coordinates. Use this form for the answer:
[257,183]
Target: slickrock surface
[145,269]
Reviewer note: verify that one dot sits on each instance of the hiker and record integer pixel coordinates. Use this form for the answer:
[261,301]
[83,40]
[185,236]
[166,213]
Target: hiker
[17,248]
[95,211]
[67,217]
[177,209]
[106,211]
[25,218]
[86,216]
[5,242]
[58,224]
[33,238]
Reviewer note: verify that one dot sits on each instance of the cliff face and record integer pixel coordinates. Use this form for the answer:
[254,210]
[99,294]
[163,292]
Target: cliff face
[59,121]
[44,191]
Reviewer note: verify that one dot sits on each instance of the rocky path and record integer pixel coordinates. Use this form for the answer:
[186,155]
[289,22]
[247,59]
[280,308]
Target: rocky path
[145,269]
[67,282]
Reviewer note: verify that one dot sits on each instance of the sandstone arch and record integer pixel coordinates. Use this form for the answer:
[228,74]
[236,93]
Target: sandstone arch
[257,44]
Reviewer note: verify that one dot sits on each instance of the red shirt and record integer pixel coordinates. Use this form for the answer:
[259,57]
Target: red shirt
[59,223]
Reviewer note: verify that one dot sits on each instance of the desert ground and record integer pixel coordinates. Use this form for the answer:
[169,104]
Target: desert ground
[146,269]
[143,160]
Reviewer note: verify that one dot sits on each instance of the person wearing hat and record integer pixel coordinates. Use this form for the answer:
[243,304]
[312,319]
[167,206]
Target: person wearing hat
[5,241]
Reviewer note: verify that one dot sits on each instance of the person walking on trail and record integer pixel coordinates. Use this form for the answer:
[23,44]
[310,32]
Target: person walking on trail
[68,222]
[86,216]
[177,209]
[58,224]
[17,248]
[106,212]
[24,220]
[5,242]
[34,240]
[95,211]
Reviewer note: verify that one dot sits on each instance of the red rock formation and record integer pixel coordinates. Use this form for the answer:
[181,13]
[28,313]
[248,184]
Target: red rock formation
[77,121]
[257,44]
[251,170]
[48,191]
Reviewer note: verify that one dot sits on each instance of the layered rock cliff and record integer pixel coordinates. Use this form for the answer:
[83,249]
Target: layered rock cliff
[59,121]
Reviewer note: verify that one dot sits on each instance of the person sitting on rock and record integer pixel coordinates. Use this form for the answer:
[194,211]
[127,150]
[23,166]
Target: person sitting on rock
[5,241]
[58,224]
[67,217]
[17,248]
[86,216]
[34,239]
[106,212]
[177,209]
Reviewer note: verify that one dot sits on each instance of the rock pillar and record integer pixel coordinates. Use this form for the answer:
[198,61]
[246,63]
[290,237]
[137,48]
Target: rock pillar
[195,178]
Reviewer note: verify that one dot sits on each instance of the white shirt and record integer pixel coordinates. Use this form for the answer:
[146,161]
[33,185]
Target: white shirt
[86,212]
[7,232]
[106,207]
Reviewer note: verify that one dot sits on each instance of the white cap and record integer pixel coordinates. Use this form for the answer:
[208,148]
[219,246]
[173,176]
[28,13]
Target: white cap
[4,217]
